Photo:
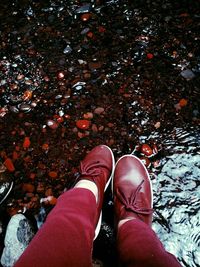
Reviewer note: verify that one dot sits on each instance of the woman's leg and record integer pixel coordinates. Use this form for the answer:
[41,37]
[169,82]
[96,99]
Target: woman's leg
[66,238]
[139,246]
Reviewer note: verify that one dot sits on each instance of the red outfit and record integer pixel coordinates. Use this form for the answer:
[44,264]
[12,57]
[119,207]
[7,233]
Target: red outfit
[66,238]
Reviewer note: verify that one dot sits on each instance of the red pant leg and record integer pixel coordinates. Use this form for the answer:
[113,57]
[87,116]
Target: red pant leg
[66,238]
[139,246]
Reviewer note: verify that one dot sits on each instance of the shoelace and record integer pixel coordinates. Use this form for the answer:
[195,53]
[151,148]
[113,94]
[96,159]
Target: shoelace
[130,203]
[91,170]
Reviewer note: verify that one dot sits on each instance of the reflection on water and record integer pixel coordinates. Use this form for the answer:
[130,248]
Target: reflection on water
[177,198]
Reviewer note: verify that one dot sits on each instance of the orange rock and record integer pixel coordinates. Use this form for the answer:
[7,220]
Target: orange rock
[27,142]
[146,150]
[53,174]
[27,95]
[183,102]
[83,124]
[26,187]
[90,35]
[85,17]
[52,200]
[9,165]
[45,146]
[15,155]
[88,115]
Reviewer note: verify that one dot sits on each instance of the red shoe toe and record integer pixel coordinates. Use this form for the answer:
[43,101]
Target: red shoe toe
[132,190]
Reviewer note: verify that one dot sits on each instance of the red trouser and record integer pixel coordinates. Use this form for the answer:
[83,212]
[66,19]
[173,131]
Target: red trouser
[66,238]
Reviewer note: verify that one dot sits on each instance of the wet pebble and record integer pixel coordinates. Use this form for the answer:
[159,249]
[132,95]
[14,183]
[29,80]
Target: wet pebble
[60,75]
[27,95]
[187,74]
[83,9]
[67,50]
[88,115]
[83,124]
[52,124]
[9,164]
[26,142]
[99,110]
[146,150]
[27,187]
[25,108]
[86,17]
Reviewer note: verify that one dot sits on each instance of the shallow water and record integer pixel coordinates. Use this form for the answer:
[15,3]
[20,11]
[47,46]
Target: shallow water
[177,198]
[127,71]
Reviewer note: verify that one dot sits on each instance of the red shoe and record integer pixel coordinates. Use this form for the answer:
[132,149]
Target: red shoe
[133,197]
[98,167]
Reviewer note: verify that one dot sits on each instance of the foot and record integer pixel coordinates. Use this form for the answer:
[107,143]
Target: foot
[98,168]
[132,192]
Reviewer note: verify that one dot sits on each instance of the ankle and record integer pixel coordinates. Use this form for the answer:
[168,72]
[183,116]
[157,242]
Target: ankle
[91,186]
[123,221]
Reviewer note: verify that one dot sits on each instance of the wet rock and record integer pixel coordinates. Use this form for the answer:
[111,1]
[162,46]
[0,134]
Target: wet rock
[27,187]
[27,95]
[67,50]
[25,108]
[52,124]
[146,150]
[9,165]
[18,235]
[83,9]
[187,74]
[86,17]
[53,174]
[27,142]
[99,110]
[14,109]
[83,124]
[60,75]
[88,115]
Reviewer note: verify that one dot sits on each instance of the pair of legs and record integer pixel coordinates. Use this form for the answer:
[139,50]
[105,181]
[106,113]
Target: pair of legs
[66,238]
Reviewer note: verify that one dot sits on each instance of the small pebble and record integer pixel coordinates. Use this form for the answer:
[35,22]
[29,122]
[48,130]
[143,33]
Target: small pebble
[67,50]
[187,74]
[27,142]
[83,9]
[88,115]
[83,124]
[99,110]
[86,17]
[52,124]
[146,150]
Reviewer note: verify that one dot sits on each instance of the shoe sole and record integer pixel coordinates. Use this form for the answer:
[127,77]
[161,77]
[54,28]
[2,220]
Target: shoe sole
[98,227]
[136,158]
